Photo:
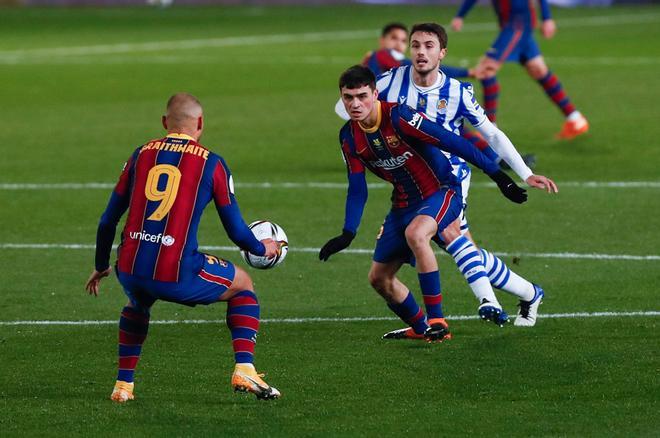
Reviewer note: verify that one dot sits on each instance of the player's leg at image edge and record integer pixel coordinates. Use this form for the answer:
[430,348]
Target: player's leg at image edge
[243,323]
[501,277]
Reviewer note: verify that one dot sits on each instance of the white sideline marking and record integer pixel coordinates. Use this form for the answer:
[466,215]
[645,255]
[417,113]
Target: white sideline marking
[542,255]
[16,56]
[322,185]
[575,315]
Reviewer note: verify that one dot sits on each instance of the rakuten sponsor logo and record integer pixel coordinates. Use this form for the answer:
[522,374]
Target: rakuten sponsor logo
[166,239]
[392,163]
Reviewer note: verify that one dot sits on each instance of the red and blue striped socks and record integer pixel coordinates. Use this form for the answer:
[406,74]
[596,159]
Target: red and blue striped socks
[556,93]
[243,323]
[432,293]
[133,328]
[410,312]
[491,94]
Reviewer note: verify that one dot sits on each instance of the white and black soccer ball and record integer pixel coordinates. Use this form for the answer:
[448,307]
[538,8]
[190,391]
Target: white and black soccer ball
[267,230]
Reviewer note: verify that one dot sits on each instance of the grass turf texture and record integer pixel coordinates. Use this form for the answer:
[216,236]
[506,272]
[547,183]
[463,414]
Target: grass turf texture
[76,118]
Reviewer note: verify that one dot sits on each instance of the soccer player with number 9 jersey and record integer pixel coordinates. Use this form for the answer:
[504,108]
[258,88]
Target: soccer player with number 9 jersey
[165,185]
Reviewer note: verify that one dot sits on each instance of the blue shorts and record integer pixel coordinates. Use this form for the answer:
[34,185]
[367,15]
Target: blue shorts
[205,287]
[391,245]
[514,43]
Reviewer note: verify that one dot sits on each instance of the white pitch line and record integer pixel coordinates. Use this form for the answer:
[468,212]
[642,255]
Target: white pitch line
[322,185]
[542,255]
[15,56]
[574,315]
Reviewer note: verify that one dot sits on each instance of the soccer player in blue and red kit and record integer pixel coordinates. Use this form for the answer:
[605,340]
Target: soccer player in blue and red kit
[402,147]
[515,43]
[165,185]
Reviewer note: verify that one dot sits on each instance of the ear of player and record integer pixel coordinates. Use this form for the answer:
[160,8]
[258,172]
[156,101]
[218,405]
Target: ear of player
[508,187]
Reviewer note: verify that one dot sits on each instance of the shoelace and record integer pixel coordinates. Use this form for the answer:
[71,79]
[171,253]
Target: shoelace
[524,309]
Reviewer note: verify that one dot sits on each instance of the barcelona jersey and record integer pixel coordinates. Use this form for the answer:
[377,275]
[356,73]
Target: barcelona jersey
[404,148]
[512,12]
[165,185]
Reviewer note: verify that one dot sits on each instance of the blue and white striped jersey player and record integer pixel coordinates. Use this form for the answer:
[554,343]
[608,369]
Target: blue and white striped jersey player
[449,102]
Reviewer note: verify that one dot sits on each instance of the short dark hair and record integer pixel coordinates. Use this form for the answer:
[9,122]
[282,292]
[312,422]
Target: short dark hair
[433,28]
[389,27]
[356,77]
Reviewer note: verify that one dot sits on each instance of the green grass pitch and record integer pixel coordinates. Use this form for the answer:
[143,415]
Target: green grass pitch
[75,102]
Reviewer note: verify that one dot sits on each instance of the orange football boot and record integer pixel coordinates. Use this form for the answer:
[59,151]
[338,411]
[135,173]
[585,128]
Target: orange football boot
[122,392]
[573,128]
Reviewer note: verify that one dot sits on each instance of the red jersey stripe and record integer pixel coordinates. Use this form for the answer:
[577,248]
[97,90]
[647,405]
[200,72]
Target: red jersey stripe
[221,185]
[179,217]
[136,212]
[215,278]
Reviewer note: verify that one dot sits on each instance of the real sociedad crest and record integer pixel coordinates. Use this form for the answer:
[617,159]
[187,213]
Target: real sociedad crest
[442,106]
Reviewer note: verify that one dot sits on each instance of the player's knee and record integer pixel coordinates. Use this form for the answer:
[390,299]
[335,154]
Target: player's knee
[242,281]
[452,232]
[379,281]
[536,69]
[416,237]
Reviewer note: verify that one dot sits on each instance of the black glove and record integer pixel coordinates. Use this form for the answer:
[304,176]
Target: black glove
[336,244]
[509,188]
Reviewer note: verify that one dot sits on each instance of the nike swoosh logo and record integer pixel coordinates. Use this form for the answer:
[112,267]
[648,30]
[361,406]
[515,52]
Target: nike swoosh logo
[426,206]
[245,376]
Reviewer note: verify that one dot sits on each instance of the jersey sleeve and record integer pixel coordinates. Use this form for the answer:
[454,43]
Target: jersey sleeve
[229,212]
[357,194]
[223,184]
[353,163]
[117,205]
[465,8]
[383,83]
[415,126]
[470,108]
[545,10]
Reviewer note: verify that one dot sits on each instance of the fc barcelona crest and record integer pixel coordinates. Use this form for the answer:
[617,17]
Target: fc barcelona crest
[392,140]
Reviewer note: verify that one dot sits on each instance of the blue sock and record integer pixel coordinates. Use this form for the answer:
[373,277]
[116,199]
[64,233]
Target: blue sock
[410,312]
[491,93]
[432,293]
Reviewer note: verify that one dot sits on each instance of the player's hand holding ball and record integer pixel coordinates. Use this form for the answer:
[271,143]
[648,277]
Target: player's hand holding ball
[335,245]
[272,248]
[275,241]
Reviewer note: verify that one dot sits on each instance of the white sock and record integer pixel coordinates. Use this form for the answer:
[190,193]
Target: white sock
[575,115]
[502,277]
[468,260]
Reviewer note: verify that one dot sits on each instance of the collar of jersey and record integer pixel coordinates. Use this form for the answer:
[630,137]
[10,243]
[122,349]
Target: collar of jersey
[179,135]
[378,120]
[426,90]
